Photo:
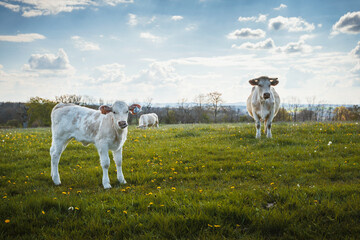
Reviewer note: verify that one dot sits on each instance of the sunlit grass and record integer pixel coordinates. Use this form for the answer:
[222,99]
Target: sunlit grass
[186,182]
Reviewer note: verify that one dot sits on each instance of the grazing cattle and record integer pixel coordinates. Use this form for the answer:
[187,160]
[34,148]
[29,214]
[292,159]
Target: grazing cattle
[148,120]
[263,103]
[107,129]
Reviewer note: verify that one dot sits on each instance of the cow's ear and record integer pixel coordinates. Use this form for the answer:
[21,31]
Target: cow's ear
[274,81]
[105,109]
[134,109]
[254,81]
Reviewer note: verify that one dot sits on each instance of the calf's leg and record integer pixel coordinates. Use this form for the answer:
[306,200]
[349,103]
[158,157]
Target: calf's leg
[105,164]
[258,126]
[57,147]
[118,162]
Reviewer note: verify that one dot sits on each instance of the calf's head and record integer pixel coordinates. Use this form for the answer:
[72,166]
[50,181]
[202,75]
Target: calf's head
[120,112]
[264,84]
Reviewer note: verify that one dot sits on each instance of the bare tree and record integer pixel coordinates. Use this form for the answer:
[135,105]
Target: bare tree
[294,105]
[69,98]
[147,105]
[200,100]
[215,100]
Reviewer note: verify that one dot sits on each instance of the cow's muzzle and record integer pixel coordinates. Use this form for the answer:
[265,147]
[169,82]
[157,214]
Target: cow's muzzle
[122,124]
[266,95]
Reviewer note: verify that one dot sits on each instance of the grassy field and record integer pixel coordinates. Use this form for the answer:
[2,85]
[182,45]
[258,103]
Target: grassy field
[187,182]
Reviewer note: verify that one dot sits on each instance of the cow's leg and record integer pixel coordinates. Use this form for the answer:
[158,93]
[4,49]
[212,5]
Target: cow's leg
[105,164]
[258,126]
[268,125]
[57,147]
[265,126]
[118,162]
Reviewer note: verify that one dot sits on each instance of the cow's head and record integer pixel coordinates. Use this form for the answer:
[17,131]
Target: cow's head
[120,111]
[264,84]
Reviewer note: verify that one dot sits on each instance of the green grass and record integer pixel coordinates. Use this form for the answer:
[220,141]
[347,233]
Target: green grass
[187,182]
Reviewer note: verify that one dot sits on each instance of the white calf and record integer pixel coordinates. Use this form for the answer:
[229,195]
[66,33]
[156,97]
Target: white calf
[148,120]
[263,103]
[107,129]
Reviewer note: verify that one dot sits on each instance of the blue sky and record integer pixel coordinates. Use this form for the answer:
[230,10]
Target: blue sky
[133,50]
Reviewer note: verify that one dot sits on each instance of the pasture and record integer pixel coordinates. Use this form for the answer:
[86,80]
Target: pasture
[187,182]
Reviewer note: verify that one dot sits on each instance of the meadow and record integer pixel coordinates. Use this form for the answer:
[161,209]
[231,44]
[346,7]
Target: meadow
[187,182]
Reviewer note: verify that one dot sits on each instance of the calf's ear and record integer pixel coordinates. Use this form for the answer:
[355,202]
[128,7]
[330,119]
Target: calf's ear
[254,81]
[105,109]
[134,109]
[274,81]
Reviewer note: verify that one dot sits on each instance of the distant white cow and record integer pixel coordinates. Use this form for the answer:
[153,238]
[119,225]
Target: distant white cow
[263,103]
[107,129]
[148,120]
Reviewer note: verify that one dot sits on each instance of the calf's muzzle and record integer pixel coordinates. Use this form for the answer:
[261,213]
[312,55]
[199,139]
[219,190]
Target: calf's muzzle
[122,124]
[266,95]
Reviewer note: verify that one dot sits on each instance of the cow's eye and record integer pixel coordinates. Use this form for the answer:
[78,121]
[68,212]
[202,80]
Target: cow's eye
[114,112]
[127,111]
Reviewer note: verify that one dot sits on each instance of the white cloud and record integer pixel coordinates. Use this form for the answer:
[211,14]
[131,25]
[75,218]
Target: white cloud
[31,8]
[49,62]
[132,20]
[177,18]
[282,6]
[116,2]
[298,47]
[246,33]
[292,24]
[266,44]
[151,37]
[158,74]
[109,73]
[349,23]
[12,7]
[356,51]
[28,37]
[260,18]
[83,45]
[191,27]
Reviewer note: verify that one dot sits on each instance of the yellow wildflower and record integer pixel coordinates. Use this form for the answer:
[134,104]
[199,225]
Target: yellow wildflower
[7,220]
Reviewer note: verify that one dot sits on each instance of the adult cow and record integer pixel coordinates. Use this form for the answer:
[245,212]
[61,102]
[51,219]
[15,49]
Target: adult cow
[263,103]
[107,129]
[148,120]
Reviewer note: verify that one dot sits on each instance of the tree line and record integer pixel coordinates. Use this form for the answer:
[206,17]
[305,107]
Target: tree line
[205,108]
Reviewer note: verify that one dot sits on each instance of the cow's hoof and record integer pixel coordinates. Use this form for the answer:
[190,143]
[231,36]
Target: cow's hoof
[107,186]
[122,181]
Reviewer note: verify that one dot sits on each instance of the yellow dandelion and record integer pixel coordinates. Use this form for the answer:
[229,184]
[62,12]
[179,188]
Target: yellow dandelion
[200,190]
[209,225]
[4,196]
[232,187]
[125,212]
[272,183]
[173,189]
[7,220]
[151,203]
[64,193]
[159,188]
[76,208]
[108,211]
[217,226]
[43,212]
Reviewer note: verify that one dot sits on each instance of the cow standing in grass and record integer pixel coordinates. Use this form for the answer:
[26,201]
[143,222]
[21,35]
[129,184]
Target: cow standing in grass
[148,120]
[263,103]
[107,129]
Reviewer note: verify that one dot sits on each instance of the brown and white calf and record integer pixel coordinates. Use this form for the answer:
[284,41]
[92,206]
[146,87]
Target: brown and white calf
[107,129]
[263,103]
